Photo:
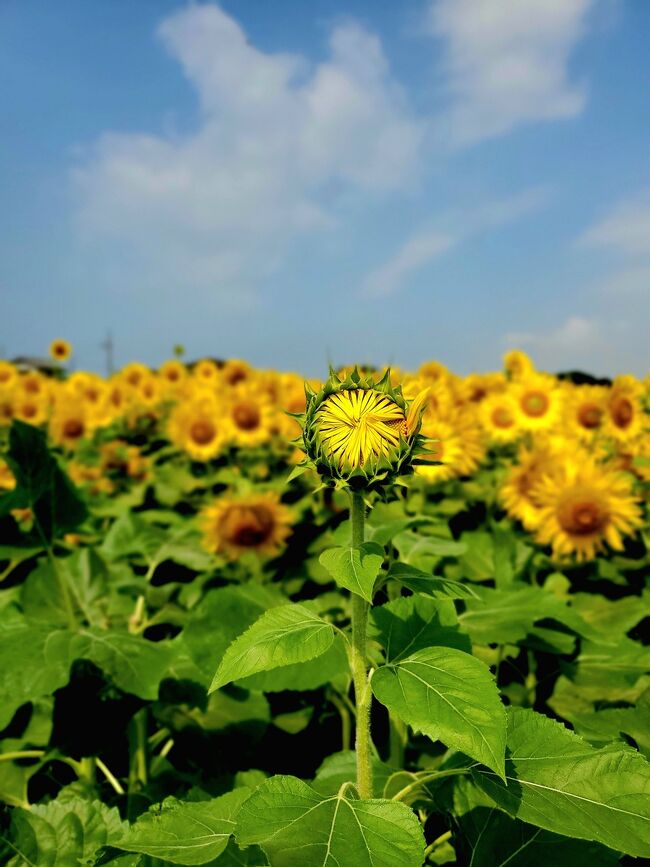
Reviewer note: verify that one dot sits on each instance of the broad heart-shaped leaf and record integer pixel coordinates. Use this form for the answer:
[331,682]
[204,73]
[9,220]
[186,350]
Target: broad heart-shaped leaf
[297,827]
[185,832]
[282,636]
[507,616]
[356,569]
[449,696]
[411,623]
[36,661]
[66,831]
[223,615]
[496,840]
[431,585]
[559,782]
[303,675]
[41,485]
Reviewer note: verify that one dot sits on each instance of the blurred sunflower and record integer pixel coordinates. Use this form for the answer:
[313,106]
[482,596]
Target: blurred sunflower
[255,522]
[584,507]
[8,376]
[31,409]
[624,415]
[235,371]
[517,364]
[133,373]
[250,414]
[69,423]
[584,410]
[205,372]
[60,350]
[499,417]
[456,441]
[173,374]
[539,401]
[198,427]
[518,492]
[89,477]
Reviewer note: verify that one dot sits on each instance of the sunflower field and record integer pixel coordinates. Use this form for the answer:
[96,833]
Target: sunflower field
[385,619]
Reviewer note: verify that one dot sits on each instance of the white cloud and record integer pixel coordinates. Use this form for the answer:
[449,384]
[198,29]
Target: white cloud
[563,346]
[506,62]
[626,229]
[426,245]
[278,140]
[411,256]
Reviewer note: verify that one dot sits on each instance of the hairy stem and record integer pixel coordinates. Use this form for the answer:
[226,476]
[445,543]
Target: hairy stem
[358,662]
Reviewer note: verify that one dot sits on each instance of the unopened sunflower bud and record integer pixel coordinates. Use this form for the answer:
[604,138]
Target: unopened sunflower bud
[361,433]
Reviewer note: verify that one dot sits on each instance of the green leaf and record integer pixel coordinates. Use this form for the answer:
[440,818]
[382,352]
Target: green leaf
[303,675]
[41,485]
[132,536]
[282,636]
[603,726]
[559,782]
[65,831]
[185,832]
[449,696]
[424,552]
[423,582]
[411,623]
[222,616]
[356,569]
[297,827]
[341,767]
[36,661]
[508,616]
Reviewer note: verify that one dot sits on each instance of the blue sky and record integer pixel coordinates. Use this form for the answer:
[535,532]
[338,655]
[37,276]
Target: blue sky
[295,182]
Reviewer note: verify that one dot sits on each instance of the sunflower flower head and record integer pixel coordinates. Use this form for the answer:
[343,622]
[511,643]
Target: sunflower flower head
[360,432]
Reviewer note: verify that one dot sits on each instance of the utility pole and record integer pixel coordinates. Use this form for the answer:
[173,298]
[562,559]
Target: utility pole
[108,347]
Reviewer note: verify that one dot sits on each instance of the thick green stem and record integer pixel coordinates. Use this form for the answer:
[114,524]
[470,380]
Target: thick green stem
[139,752]
[358,662]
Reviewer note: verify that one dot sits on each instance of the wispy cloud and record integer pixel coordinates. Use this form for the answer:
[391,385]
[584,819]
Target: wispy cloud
[626,229]
[415,253]
[506,63]
[429,244]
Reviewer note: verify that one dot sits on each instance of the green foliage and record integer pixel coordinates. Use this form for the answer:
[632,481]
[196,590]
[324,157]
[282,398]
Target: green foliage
[449,696]
[282,636]
[295,825]
[41,486]
[558,782]
[355,569]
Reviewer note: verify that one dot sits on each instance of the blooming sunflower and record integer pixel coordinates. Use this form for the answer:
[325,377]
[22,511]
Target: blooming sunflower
[234,525]
[173,373]
[499,417]
[198,427]
[60,350]
[455,443]
[133,373]
[584,411]
[235,371]
[517,364]
[32,410]
[205,372]
[8,375]
[624,414]
[250,414]
[584,507]
[539,401]
[69,423]
[518,492]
